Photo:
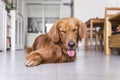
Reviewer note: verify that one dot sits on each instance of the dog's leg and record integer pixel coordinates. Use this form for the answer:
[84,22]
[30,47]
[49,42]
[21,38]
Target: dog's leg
[33,59]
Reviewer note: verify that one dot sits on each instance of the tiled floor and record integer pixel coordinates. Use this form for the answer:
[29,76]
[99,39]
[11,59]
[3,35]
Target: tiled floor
[88,66]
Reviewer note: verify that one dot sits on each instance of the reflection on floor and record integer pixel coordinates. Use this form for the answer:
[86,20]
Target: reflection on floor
[92,65]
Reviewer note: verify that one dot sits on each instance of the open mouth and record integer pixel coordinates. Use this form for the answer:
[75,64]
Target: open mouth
[71,52]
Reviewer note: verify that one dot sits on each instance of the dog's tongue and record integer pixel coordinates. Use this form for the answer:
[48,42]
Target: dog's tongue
[71,53]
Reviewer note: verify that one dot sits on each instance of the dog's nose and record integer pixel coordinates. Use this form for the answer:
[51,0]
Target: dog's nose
[71,44]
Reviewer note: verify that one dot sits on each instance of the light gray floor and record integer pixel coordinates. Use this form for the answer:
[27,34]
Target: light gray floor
[88,66]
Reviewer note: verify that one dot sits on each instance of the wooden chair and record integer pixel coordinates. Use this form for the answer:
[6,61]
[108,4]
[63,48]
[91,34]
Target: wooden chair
[109,12]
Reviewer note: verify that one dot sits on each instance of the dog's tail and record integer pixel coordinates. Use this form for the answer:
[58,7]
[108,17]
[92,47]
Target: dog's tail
[29,49]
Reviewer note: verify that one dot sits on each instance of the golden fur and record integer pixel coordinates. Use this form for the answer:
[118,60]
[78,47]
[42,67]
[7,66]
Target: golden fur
[58,45]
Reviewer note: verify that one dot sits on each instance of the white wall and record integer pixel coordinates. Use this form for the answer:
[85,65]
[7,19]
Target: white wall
[113,3]
[85,9]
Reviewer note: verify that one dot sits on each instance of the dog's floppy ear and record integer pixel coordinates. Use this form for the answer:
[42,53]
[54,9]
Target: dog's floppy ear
[53,33]
[82,29]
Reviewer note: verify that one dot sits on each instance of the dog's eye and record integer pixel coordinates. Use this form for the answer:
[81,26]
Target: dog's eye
[63,31]
[74,30]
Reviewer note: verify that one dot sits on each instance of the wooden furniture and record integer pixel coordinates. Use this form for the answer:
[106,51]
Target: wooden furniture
[91,25]
[110,19]
[114,41]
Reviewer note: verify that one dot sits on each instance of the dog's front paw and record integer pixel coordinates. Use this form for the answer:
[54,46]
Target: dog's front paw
[30,63]
[33,60]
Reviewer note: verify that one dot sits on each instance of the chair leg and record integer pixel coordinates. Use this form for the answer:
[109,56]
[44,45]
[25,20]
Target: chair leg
[96,46]
[86,42]
[101,41]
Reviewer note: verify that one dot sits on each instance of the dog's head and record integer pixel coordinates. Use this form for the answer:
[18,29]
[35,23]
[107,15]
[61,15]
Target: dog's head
[68,31]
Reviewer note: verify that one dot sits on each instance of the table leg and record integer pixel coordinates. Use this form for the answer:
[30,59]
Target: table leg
[91,34]
[107,33]
[86,42]
[96,41]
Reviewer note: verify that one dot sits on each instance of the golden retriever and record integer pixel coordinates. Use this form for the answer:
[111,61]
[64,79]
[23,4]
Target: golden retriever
[58,45]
